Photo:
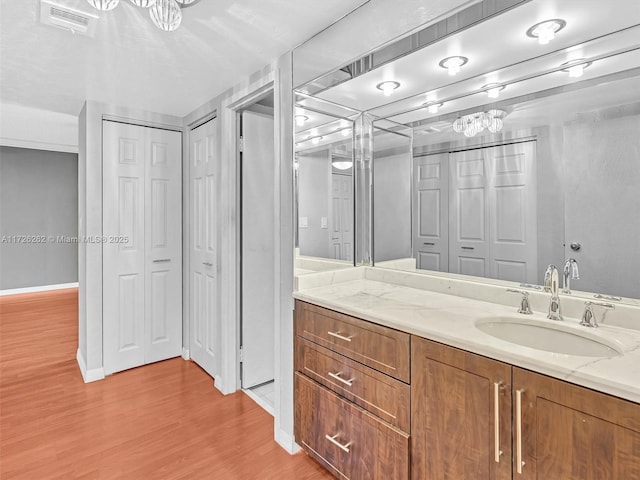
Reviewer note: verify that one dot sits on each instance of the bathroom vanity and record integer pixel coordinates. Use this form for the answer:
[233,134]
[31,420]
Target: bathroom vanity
[396,381]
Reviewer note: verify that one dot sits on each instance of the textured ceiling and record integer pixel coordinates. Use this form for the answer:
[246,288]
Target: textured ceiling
[130,62]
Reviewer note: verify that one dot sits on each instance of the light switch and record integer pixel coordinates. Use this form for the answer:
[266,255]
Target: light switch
[303,222]
[323,222]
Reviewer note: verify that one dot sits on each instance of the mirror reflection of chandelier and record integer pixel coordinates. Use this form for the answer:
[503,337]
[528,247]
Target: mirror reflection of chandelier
[474,123]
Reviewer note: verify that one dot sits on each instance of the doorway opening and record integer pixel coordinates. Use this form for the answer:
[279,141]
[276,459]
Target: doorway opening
[257,206]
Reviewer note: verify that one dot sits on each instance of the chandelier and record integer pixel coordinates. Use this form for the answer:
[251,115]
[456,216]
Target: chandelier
[165,14]
[472,124]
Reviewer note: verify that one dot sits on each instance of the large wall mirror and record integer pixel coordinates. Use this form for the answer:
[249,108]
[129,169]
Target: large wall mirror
[506,142]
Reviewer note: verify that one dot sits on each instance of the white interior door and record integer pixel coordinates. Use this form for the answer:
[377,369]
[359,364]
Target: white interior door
[258,248]
[430,212]
[123,163]
[202,254]
[493,213]
[512,201]
[341,216]
[142,259]
[468,215]
[163,235]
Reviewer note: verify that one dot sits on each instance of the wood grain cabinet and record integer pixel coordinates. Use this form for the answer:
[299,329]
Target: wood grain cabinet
[352,396]
[460,414]
[476,418]
[563,431]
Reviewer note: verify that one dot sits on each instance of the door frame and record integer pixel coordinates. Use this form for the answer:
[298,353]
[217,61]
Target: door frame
[230,225]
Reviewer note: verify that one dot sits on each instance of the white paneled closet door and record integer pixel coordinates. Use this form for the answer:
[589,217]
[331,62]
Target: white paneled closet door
[202,252]
[142,260]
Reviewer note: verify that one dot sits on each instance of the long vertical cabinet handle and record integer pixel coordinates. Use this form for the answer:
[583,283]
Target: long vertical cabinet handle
[519,462]
[496,421]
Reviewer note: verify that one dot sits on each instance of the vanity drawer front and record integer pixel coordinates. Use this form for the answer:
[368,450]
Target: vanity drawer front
[352,443]
[379,347]
[376,392]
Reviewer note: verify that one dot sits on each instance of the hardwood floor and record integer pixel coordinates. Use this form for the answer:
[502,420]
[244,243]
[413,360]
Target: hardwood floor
[161,421]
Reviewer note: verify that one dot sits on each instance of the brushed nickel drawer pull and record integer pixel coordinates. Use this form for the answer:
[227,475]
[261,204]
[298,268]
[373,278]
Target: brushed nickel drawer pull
[519,462]
[164,260]
[496,420]
[344,448]
[341,337]
[336,376]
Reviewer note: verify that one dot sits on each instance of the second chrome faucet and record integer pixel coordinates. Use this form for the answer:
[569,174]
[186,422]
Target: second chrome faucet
[551,285]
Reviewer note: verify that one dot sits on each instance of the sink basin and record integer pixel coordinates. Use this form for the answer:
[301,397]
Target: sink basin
[541,335]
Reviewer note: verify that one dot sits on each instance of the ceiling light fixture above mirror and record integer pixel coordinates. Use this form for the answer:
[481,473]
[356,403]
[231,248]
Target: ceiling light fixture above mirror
[493,89]
[433,107]
[388,87]
[575,68]
[300,119]
[546,31]
[453,64]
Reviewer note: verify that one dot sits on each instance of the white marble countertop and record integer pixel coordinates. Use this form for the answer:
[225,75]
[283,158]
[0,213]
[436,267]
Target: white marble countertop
[451,320]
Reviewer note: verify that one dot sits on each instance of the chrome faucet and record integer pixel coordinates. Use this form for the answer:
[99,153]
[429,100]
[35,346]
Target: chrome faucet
[569,272]
[524,308]
[551,285]
[589,316]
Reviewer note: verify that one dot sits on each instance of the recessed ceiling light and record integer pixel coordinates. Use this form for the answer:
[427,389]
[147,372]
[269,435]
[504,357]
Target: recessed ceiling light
[493,89]
[300,119]
[453,64]
[346,132]
[432,107]
[316,140]
[388,87]
[546,31]
[575,68]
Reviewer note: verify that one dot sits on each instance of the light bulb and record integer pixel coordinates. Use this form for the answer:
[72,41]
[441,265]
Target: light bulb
[346,132]
[546,31]
[316,140]
[493,92]
[434,107]
[453,64]
[300,119]
[576,71]
[387,87]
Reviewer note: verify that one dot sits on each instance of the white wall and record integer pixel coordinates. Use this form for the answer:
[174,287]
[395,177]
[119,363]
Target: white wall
[392,207]
[314,200]
[28,127]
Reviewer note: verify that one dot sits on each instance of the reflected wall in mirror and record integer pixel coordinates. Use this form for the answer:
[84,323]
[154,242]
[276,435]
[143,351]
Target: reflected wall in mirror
[325,186]
[523,153]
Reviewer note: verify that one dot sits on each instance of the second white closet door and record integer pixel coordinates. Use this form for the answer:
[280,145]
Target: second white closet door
[142,263]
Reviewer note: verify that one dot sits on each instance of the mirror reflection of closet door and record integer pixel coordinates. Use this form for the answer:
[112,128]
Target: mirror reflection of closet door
[493,208]
[430,218]
[341,240]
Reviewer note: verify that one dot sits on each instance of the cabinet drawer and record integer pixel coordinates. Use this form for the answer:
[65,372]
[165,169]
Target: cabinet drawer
[352,443]
[376,392]
[379,347]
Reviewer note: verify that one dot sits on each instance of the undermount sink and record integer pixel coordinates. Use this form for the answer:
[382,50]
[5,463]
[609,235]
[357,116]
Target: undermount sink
[541,335]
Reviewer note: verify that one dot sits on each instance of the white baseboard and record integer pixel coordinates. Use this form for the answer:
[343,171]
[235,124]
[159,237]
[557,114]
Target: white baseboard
[88,375]
[42,288]
[286,441]
[185,353]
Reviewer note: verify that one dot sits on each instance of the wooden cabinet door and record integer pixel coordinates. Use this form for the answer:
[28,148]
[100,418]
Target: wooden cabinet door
[460,414]
[350,442]
[569,432]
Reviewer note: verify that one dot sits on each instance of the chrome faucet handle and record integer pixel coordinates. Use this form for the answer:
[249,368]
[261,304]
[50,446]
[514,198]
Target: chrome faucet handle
[589,318]
[525,308]
[551,285]
[569,272]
